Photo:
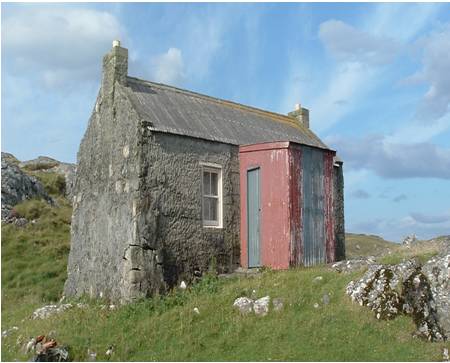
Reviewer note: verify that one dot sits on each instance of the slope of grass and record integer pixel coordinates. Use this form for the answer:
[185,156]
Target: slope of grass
[357,245]
[166,328]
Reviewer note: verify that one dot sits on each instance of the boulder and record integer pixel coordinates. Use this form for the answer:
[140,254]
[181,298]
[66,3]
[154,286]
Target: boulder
[408,288]
[437,273]
[49,310]
[17,187]
[261,306]
[243,304]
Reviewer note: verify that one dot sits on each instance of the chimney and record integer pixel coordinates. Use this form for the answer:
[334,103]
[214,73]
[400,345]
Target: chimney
[115,68]
[300,114]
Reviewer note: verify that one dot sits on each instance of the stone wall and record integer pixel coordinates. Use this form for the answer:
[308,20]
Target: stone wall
[169,211]
[338,206]
[105,192]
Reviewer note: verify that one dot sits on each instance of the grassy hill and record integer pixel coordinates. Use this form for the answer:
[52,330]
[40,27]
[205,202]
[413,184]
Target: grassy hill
[166,328]
[357,245]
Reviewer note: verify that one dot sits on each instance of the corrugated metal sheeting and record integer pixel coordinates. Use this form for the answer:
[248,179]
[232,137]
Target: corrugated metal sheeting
[171,110]
[313,206]
[297,217]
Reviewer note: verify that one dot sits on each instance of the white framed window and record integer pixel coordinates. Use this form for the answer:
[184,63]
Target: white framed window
[211,195]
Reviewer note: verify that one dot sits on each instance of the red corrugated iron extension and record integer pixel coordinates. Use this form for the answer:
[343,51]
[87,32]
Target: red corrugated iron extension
[281,193]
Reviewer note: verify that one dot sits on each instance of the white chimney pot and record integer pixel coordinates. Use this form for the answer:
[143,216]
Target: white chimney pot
[116,43]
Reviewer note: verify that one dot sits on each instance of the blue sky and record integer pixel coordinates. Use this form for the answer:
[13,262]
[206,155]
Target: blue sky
[376,78]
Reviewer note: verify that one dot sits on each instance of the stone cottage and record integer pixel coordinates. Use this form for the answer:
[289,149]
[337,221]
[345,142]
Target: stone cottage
[166,178]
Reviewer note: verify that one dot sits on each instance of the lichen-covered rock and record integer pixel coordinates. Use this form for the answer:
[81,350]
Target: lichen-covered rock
[409,240]
[244,304]
[348,266]
[419,303]
[437,273]
[49,310]
[17,187]
[261,306]
[408,288]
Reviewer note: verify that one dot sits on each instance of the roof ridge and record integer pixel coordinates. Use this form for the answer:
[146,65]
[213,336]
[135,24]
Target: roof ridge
[284,118]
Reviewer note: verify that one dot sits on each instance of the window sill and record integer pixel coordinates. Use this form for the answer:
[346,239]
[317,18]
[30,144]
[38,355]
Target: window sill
[212,227]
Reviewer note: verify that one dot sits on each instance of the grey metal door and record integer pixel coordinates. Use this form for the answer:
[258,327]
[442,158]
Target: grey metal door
[313,207]
[253,218]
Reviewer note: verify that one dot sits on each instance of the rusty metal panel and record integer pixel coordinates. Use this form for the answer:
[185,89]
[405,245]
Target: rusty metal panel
[313,206]
[296,219]
[328,207]
[253,217]
[272,159]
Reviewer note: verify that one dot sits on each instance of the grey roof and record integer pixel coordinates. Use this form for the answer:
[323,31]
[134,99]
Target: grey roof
[173,110]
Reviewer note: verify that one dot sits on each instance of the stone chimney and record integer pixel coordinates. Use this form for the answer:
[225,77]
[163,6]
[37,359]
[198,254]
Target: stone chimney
[300,114]
[115,68]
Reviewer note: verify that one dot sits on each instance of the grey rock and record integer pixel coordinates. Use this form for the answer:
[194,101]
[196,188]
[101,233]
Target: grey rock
[445,356]
[408,288]
[261,306]
[409,240]
[7,332]
[55,354]
[244,304]
[437,273]
[278,304]
[326,299]
[348,266]
[50,310]
[17,186]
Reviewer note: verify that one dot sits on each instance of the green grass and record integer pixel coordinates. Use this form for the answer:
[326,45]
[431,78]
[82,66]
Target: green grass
[34,262]
[167,329]
[40,166]
[54,183]
[369,245]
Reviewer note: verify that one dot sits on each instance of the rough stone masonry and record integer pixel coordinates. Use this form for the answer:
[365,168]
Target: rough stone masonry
[137,224]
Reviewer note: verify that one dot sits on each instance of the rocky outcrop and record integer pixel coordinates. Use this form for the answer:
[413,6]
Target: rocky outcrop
[423,292]
[408,240]
[348,266]
[50,165]
[17,186]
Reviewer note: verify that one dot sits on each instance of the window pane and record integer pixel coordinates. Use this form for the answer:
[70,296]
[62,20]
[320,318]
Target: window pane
[206,214]
[214,183]
[213,213]
[206,183]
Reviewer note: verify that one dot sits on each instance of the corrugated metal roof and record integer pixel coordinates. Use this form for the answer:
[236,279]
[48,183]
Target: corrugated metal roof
[173,110]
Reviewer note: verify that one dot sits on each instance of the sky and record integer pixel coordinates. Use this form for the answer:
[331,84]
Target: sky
[375,77]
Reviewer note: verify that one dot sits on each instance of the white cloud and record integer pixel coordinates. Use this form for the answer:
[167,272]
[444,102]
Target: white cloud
[169,67]
[430,219]
[54,41]
[390,160]
[349,44]
[204,39]
[436,73]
